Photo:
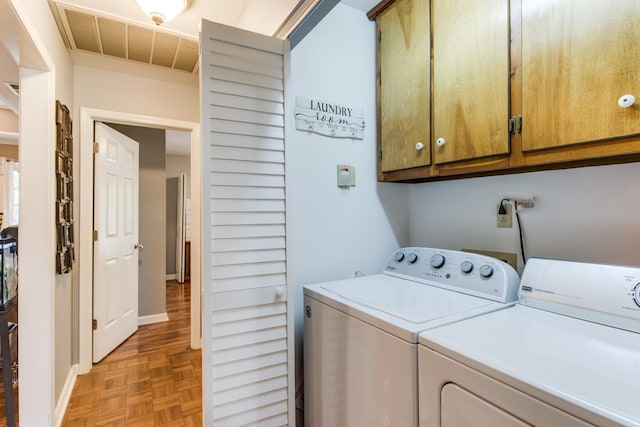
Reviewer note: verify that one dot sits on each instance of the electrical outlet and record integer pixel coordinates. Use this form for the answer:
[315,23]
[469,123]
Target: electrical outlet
[506,220]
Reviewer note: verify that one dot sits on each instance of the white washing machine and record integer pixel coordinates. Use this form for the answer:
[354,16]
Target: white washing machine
[361,334]
[568,354]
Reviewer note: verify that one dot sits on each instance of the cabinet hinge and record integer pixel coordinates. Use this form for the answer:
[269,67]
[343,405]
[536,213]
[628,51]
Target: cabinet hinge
[379,36]
[96,148]
[519,123]
[380,154]
[95,235]
[94,324]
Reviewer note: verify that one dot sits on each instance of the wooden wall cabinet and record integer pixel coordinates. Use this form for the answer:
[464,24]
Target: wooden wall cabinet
[522,85]
[404,86]
[578,58]
[470,79]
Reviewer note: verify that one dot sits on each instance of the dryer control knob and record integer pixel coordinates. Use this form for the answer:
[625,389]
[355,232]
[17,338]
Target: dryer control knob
[466,267]
[412,258]
[636,294]
[486,271]
[399,256]
[437,260]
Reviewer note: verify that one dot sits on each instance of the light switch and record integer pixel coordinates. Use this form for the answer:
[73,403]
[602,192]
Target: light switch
[346,176]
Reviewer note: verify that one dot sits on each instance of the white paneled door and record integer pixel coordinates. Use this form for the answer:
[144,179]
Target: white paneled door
[247,351]
[116,246]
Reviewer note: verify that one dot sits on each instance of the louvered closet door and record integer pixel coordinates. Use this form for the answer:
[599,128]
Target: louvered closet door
[247,353]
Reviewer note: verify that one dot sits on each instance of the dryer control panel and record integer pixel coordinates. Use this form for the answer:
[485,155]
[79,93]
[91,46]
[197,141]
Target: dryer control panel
[464,272]
[601,293]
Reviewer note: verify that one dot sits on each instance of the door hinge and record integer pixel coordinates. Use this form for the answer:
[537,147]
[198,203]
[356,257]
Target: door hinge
[94,324]
[95,235]
[96,148]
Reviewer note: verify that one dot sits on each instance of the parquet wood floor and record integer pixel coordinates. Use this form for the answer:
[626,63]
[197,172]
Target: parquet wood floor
[153,379]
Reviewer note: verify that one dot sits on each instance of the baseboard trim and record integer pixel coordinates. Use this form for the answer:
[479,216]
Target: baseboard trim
[154,318]
[170,277]
[65,394]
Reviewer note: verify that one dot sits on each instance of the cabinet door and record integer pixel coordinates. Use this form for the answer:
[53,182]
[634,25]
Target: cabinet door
[579,57]
[404,76]
[470,78]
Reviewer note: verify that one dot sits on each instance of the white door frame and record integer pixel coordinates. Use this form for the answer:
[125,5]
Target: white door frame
[85,292]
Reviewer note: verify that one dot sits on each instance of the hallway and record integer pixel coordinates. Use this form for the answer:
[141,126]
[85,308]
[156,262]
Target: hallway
[152,379]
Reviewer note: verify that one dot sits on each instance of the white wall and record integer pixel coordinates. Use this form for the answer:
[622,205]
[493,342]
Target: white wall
[45,340]
[336,232]
[113,91]
[585,214]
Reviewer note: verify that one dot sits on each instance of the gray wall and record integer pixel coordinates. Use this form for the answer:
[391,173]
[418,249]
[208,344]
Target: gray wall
[152,218]
[177,165]
[585,214]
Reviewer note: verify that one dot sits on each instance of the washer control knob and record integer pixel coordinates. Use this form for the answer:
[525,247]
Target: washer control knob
[399,256]
[486,271]
[437,260]
[636,294]
[466,267]
[412,258]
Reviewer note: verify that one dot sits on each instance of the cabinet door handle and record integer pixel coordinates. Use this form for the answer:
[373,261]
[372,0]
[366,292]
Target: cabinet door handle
[519,123]
[440,142]
[626,101]
[512,125]
[419,146]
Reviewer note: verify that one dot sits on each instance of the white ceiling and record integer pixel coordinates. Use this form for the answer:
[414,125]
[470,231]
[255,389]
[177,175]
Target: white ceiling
[261,16]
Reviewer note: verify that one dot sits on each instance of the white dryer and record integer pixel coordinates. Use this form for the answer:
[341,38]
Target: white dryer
[567,355]
[361,334]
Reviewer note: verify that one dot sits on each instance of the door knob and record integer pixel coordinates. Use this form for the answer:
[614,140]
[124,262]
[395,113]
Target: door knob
[138,246]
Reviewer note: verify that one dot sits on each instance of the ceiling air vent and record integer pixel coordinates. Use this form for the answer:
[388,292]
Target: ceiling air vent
[88,30]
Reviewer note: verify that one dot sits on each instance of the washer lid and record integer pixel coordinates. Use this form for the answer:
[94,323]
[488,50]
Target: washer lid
[401,307]
[413,302]
[593,366]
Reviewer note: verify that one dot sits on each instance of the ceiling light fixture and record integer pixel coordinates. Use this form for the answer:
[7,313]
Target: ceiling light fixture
[162,11]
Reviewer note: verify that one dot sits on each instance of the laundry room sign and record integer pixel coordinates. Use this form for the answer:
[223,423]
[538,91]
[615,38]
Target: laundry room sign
[328,118]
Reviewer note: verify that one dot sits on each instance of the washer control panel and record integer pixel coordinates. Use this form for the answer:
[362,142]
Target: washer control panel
[602,293]
[465,272]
